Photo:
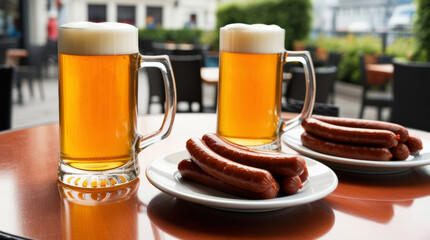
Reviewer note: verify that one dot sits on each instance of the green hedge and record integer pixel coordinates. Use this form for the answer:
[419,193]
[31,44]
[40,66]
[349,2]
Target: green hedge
[352,46]
[422,31]
[184,35]
[292,15]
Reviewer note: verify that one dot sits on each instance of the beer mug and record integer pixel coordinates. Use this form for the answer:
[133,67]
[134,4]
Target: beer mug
[98,69]
[250,85]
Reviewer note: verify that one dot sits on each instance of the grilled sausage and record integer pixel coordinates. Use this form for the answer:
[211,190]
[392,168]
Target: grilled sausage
[276,163]
[350,135]
[239,175]
[414,144]
[190,170]
[345,150]
[304,176]
[291,184]
[400,152]
[370,124]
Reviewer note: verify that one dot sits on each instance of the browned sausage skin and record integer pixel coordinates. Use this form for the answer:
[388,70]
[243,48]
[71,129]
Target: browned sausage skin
[350,135]
[414,144]
[279,163]
[370,124]
[191,171]
[345,150]
[400,152]
[291,184]
[239,175]
[304,176]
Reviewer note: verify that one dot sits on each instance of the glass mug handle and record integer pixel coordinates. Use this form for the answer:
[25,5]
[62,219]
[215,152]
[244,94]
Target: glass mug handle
[163,63]
[305,58]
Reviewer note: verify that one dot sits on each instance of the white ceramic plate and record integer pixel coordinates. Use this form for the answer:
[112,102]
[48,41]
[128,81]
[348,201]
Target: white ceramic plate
[292,140]
[164,175]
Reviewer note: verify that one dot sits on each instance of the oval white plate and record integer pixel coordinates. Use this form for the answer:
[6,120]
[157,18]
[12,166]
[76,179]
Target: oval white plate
[292,140]
[164,175]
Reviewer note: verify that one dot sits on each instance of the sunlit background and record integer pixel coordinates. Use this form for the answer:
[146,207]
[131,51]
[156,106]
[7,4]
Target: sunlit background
[383,27]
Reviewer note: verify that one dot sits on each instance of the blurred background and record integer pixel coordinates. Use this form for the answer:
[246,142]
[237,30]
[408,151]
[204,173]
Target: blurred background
[346,34]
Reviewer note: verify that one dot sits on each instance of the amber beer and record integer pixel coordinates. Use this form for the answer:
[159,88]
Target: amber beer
[98,110]
[250,86]
[98,66]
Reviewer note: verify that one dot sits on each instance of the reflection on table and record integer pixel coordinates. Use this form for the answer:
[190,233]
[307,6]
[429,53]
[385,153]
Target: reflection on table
[34,205]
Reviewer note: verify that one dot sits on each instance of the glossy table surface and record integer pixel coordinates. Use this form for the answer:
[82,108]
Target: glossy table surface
[34,205]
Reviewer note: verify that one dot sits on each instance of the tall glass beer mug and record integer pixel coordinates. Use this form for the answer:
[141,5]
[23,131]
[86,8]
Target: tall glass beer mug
[250,85]
[98,69]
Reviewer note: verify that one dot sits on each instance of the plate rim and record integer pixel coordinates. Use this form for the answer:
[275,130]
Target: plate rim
[233,204]
[348,161]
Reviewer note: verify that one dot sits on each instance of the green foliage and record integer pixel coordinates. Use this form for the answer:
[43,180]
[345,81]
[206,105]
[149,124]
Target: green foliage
[209,38]
[292,15]
[402,48]
[351,47]
[184,35]
[422,30]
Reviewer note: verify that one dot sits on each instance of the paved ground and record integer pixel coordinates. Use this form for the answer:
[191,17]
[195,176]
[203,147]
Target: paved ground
[36,111]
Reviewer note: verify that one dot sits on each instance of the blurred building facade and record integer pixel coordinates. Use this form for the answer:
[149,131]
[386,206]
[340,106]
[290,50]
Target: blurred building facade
[35,21]
[364,15]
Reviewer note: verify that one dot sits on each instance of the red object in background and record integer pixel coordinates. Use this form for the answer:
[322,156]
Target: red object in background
[52,29]
[59,4]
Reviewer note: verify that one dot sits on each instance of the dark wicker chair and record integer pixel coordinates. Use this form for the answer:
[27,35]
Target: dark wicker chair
[333,59]
[31,70]
[324,77]
[186,70]
[374,95]
[411,97]
[157,94]
[188,81]
[6,77]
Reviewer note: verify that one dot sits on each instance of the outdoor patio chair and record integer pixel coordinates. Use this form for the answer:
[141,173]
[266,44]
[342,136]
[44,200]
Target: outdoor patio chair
[324,77]
[411,95]
[333,59]
[6,77]
[385,59]
[145,46]
[6,44]
[157,94]
[373,95]
[50,53]
[296,106]
[188,82]
[31,70]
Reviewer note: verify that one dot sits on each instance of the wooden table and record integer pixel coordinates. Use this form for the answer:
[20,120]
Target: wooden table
[13,56]
[378,74]
[210,75]
[33,205]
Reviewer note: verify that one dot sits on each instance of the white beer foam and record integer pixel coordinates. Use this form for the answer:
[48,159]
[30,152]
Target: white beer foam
[87,38]
[255,38]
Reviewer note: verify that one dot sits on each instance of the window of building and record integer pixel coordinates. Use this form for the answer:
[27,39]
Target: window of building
[97,13]
[127,14]
[154,17]
[193,20]
[10,19]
